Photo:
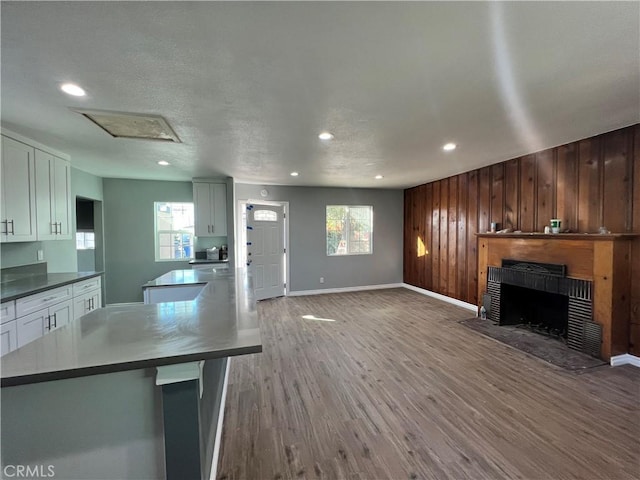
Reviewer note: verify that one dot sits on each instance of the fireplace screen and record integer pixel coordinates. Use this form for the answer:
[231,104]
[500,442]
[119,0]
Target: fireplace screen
[543,298]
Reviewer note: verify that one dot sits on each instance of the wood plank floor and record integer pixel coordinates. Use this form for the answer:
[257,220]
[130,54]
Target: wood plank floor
[395,388]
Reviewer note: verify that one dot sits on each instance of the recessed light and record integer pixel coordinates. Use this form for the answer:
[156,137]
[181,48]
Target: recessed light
[449,146]
[294,174]
[164,163]
[72,89]
[325,136]
[378,177]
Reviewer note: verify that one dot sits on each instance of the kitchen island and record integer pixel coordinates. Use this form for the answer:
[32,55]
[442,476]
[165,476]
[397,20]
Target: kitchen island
[131,391]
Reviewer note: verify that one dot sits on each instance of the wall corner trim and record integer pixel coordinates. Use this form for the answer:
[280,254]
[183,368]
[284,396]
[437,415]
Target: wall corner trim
[299,293]
[444,298]
[625,359]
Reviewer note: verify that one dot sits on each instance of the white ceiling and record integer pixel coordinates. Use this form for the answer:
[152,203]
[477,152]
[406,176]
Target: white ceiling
[248,86]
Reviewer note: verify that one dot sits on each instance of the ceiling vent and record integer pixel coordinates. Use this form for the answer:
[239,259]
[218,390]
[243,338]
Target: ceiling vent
[131,125]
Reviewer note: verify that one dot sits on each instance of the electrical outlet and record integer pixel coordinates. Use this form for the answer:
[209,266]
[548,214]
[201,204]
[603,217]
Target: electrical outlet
[40,254]
[321,279]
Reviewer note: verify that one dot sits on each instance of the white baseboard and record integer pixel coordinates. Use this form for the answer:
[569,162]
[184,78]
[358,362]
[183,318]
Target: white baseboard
[444,298]
[218,440]
[299,293]
[625,359]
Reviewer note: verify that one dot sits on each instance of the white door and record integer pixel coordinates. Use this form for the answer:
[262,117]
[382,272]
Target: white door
[265,249]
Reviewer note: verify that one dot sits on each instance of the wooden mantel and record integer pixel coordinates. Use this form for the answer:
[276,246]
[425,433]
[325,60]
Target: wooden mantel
[605,259]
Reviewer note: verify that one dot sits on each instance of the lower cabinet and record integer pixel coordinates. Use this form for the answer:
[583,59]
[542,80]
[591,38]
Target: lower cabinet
[35,325]
[86,302]
[8,337]
[31,317]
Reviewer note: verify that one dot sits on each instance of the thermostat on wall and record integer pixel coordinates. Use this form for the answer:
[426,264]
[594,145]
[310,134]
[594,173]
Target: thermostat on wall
[264,192]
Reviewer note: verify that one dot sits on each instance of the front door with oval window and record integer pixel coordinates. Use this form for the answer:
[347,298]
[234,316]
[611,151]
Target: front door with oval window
[265,249]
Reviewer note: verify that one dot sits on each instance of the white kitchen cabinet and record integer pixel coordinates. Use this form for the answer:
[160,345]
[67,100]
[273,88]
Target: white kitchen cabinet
[35,325]
[8,337]
[43,300]
[18,210]
[210,206]
[53,197]
[87,296]
[8,329]
[43,312]
[32,326]
[61,314]
[7,311]
[29,318]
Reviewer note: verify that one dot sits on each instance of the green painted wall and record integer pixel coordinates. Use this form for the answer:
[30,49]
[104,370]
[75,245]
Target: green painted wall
[129,237]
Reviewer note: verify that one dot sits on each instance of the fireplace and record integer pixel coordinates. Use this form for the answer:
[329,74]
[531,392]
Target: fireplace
[543,298]
[596,280]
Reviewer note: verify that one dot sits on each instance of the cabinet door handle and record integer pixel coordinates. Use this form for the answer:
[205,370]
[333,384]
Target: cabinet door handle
[60,232]
[48,327]
[213,228]
[54,227]
[13,231]
[6,226]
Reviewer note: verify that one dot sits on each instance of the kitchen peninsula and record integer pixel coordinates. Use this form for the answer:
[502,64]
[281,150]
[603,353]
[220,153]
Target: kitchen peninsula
[131,391]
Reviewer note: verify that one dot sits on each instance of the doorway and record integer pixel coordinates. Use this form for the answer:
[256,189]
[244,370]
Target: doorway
[269,222]
[89,245]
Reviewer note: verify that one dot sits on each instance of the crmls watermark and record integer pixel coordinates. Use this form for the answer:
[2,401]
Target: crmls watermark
[28,471]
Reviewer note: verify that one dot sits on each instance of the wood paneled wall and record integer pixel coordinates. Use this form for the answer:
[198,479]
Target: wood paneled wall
[588,183]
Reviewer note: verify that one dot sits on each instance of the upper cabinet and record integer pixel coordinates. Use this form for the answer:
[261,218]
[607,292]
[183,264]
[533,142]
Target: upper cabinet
[36,192]
[210,205]
[53,197]
[18,216]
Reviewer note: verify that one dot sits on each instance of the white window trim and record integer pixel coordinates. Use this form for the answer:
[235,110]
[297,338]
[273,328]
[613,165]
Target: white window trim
[370,252]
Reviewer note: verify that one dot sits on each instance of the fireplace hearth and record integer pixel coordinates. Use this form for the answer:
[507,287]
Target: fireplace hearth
[541,297]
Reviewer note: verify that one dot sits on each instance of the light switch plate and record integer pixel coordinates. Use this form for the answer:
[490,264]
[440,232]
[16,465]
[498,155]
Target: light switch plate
[40,254]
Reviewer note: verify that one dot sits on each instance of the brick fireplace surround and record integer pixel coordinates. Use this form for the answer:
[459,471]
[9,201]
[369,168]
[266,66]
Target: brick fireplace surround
[601,259]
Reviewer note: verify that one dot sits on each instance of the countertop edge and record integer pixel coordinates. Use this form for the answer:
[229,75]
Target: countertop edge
[35,291]
[123,367]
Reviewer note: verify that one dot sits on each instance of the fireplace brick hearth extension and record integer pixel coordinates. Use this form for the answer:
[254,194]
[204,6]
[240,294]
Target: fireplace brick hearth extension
[596,281]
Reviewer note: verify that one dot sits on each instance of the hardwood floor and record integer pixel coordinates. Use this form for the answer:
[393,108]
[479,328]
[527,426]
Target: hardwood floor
[395,388]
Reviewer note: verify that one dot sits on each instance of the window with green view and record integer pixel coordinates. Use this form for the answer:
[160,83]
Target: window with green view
[349,230]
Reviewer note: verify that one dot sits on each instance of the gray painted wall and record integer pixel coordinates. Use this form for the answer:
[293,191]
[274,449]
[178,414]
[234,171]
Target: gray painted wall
[307,237]
[129,235]
[96,427]
[60,255]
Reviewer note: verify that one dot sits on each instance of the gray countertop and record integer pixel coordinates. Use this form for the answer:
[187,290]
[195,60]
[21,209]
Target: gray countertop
[220,322]
[25,285]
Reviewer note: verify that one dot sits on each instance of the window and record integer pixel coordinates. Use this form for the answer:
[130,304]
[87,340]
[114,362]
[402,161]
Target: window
[265,216]
[349,230]
[173,231]
[85,241]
